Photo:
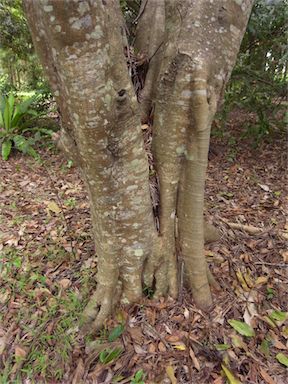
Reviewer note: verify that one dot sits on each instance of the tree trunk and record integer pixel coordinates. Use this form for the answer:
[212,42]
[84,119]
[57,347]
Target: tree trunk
[191,47]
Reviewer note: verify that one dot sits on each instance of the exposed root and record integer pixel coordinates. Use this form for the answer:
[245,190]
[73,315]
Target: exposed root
[161,270]
[212,281]
[98,309]
[211,233]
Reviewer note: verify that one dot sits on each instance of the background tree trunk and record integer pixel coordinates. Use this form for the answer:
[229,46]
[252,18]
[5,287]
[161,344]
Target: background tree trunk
[191,48]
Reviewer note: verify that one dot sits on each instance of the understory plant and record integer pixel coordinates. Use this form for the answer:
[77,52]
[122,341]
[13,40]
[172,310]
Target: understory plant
[16,119]
[258,84]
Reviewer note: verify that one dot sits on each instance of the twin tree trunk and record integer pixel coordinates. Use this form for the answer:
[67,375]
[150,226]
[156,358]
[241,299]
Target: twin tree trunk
[191,47]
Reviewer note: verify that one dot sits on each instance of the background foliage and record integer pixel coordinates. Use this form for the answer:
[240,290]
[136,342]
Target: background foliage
[257,85]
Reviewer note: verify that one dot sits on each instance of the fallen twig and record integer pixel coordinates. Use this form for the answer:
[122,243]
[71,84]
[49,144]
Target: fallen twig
[270,264]
[246,228]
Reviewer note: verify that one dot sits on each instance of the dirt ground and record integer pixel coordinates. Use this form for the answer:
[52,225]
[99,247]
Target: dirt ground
[47,270]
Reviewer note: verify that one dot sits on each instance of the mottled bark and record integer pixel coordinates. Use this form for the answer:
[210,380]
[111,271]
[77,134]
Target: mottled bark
[200,45]
[191,47]
[149,40]
[80,44]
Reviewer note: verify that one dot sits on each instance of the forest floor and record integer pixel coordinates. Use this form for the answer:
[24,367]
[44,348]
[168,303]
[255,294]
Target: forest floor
[47,271]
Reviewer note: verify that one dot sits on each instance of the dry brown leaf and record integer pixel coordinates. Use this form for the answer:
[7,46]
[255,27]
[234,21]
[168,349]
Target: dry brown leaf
[3,343]
[161,347]
[139,349]
[284,254]
[136,334]
[284,235]
[53,207]
[65,283]
[4,296]
[261,280]
[268,379]
[194,359]
[186,313]
[219,380]
[151,348]
[20,352]
[172,338]
[79,372]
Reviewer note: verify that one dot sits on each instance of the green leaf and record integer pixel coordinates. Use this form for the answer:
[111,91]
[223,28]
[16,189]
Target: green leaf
[222,347]
[116,332]
[109,355]
[231,378]
[242,328]
[1,120]
[265,347]
[21,143]
[269,321]
[31,151]
[17,115]
[237,341]
[139,374]
[6,149]
[17,262]
[11,102]
[283,359]
[278,315]
[7,116]
[26,104]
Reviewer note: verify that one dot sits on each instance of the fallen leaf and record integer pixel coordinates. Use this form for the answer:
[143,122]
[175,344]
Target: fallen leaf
[279,315]
[170,374]
[231,378]
[79,372]
[136,334]
[261,280]
[222,347]
[65,283]
[283,359]
[3,343]
[266,377]
[116,332]
[20,352]
[161,347]
[180,346]
[151,348]
[4,296]
[265,347]
[194,359]
[264,187]
[219,380]
[250,310]
[242,328]
[53,207]
[139,349]
[242,281]
[186,313]
[285,256]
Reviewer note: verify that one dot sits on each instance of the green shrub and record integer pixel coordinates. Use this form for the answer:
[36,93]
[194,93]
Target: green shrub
[258,83]
[16,119]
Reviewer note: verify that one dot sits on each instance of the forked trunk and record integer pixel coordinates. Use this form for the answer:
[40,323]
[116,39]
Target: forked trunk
[191,47]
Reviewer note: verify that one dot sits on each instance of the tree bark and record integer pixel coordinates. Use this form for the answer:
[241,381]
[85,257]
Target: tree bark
[81,47]
[191,48]
[199,49]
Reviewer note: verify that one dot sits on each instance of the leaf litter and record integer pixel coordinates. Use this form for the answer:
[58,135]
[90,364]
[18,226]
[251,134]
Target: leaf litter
[48,267]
